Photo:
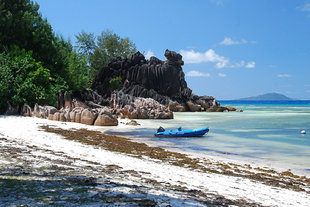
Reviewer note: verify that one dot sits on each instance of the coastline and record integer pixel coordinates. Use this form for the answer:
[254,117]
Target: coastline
[207,182]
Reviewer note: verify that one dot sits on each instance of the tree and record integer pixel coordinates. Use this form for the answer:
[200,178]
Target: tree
[21,24]
[35,63]
[108,45]
[78,77]
[23,79]
[86,43]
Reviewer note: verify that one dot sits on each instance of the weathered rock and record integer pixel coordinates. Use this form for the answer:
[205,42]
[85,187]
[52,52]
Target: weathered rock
[26,110]
[142,113]
[193,107]
[164,115]
[78,104]
[162,81]
[62,117]
[155,79]
[133,114]
[173,57]
[50,109]
[78,115]
[106,119]
[60,100]
[72,116]
[133,123]
[88,117]
[11,110]
[56,116]
[39,111]
[50,117]
[67,100]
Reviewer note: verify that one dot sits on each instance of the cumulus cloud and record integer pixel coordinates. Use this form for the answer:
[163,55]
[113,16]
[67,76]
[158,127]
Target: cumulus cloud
[250,64]
[195,73]
[222,75]
[305,7]
[284,75]
[229,41]
[190,56]
[148,54]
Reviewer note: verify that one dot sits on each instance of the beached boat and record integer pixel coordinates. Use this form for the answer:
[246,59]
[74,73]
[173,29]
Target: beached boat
[161,132]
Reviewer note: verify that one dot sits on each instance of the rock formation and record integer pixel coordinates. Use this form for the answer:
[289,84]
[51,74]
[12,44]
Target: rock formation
[161,81]
[150,89]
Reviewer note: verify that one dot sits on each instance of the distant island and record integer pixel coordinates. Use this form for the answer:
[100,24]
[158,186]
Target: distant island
[267,97]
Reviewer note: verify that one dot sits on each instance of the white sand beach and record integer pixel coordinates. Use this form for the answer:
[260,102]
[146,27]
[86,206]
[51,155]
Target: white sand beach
[30,153]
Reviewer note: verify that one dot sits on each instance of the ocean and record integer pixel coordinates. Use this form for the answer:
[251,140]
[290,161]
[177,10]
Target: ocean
[266,132]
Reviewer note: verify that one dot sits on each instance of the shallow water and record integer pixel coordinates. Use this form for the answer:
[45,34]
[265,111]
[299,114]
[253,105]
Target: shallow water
[265,131]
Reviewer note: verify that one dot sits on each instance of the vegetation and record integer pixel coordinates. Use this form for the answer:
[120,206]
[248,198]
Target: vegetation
[116,82]
[101,50]
[35,64]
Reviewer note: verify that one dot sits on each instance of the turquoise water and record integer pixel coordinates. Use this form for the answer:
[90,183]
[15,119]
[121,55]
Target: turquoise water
[265,130]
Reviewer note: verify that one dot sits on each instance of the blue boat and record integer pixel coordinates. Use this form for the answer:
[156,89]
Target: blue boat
[161,132]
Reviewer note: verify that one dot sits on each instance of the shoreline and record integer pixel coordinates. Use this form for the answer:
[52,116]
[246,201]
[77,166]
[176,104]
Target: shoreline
[231,182]
[240,159]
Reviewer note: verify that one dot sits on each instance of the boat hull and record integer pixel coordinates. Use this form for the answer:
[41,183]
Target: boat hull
[183,133]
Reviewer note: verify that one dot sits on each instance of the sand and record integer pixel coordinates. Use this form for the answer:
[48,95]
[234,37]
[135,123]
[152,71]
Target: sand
[107,176]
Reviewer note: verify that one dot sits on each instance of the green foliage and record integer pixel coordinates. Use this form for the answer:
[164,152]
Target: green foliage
[85,43]
[78,71]
[35,64]
[22,79]
[116,82]
[107,47]
[21,24]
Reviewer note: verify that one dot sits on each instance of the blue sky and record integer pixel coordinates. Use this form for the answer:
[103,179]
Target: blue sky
[231,48]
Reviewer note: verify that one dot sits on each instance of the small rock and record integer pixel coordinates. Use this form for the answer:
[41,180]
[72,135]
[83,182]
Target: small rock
[133,123]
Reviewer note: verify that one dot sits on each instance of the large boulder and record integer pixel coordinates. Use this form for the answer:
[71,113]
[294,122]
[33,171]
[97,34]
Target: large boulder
[88,117]
[39,111]
[193,107]
[50,110]
[26,110]
[106,118]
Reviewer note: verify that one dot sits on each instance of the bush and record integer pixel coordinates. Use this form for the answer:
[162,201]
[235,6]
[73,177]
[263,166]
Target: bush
[25,80]
[116,82]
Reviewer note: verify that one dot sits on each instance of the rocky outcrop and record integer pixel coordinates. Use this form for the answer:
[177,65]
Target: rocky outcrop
[99,117]
[105,118]
[26,110]
[161,81]
[88,117]
[145,108]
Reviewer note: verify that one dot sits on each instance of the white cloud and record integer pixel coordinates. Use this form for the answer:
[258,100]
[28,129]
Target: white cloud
[148,54]
[272,66]
[222,75]
[305,7]
[229,41]
[195,73]
[190,56]
[284,75]
[250,64]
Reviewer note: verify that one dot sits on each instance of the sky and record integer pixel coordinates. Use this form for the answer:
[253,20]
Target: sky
[231,48]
